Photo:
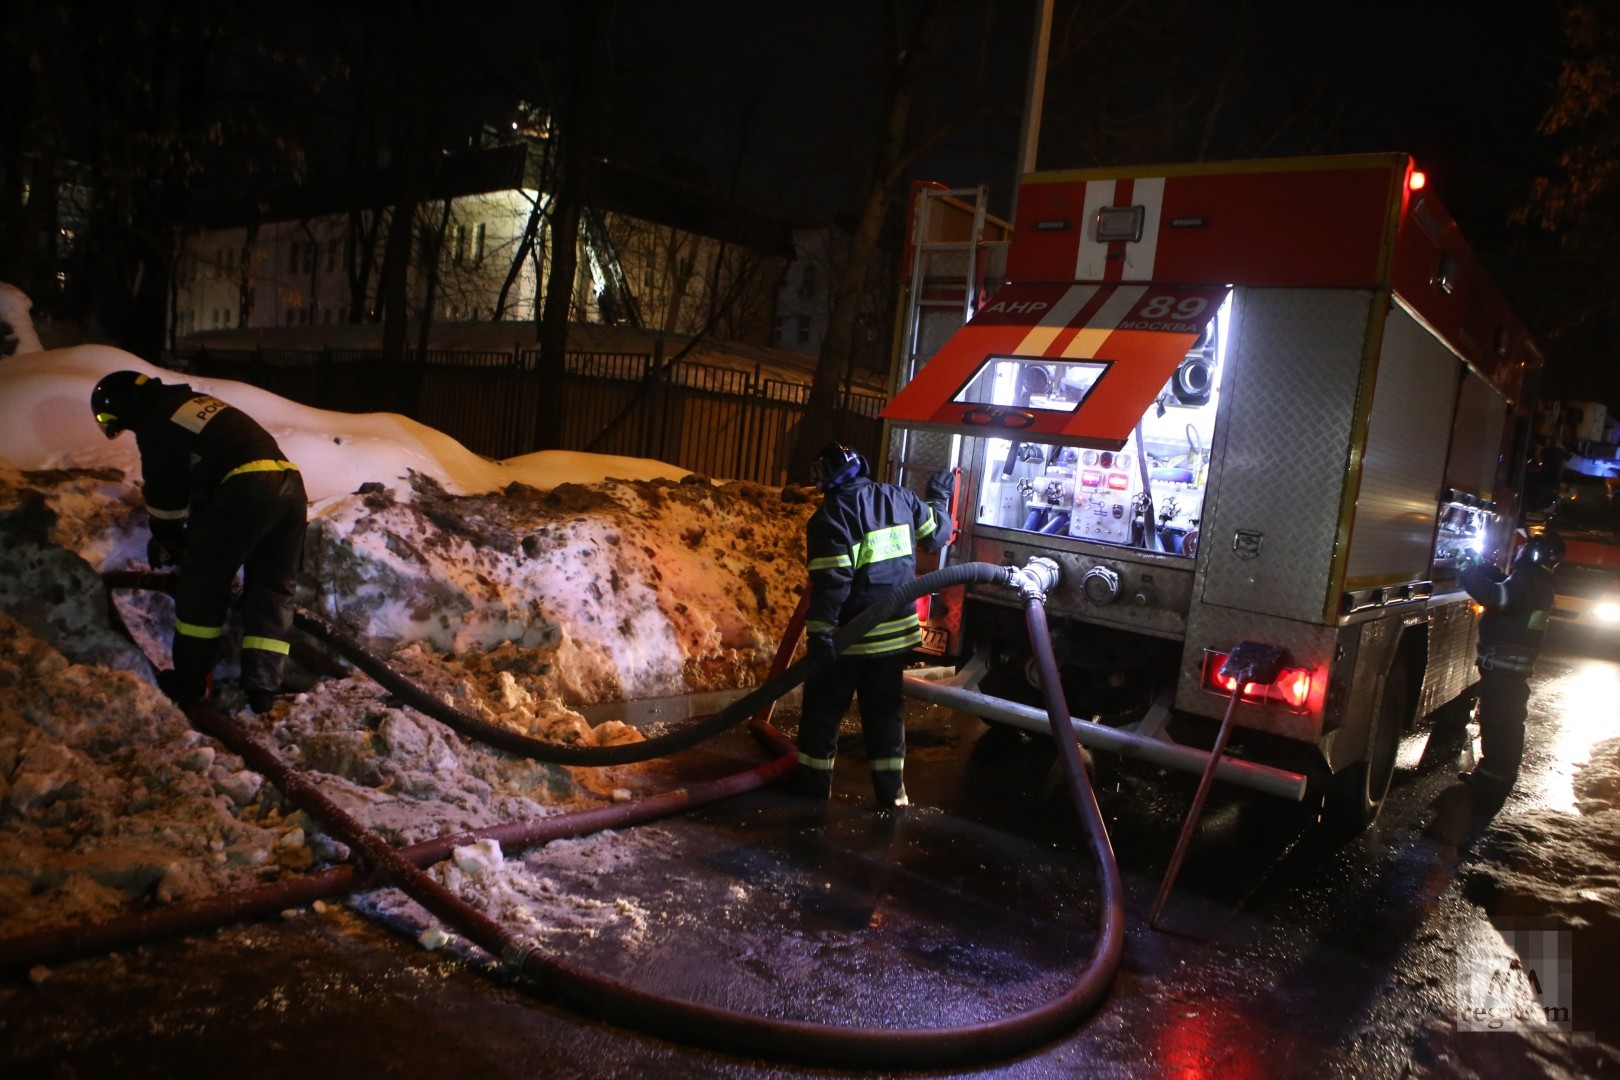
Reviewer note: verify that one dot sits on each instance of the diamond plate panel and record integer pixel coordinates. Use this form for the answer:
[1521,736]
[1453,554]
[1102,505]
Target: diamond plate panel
[915,455]
[1453,634]
[949,264]
[1269,540]
[936,326]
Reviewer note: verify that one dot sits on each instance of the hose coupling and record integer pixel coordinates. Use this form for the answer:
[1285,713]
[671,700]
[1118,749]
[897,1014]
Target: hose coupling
[1034,578]
[516,953]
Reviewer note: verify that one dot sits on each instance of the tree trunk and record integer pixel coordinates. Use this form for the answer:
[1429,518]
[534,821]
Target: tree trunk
[531,232]
[573,158]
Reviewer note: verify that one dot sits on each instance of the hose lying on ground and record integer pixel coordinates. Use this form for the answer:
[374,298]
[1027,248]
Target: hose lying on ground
[724,1029]
[51,947]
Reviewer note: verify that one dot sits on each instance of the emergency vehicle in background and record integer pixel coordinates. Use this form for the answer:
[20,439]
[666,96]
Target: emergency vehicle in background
[1262,401]
[1578,469]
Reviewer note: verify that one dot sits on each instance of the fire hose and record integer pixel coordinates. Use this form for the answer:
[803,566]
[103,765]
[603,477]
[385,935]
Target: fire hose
[723,1029]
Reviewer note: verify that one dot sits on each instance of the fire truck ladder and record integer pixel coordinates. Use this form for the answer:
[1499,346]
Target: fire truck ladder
[945,273]
[949,257]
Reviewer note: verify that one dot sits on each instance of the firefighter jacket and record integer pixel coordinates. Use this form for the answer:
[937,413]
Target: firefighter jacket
[1517,608]
[860,545]
[190,443]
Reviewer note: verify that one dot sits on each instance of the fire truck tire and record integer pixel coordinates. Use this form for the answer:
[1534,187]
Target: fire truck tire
[1356,794]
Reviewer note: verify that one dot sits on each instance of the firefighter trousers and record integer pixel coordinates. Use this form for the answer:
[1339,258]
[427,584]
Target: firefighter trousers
[874,682]
[254,522]
[1504,699]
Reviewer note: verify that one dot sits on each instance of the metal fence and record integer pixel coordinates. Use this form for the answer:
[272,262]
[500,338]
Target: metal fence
[723,422]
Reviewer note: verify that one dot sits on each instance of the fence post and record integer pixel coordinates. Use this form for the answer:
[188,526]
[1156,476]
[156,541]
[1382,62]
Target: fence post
[658,402]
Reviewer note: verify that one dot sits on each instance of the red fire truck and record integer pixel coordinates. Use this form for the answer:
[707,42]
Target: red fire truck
[1262,401]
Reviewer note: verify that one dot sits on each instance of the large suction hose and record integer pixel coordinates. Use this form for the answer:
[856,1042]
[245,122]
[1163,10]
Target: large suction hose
[515,742]
[724,1029]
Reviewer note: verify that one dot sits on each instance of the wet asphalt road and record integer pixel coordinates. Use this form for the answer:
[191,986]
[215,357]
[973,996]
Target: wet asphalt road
[1282,953]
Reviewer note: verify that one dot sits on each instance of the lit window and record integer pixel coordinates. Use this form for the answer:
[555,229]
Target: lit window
[459,245]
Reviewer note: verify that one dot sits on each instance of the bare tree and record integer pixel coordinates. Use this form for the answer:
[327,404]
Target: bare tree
[1574,206]
[910,50]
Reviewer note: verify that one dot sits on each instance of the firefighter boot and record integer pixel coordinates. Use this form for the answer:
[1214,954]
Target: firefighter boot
[260,701]
[182,690]
[811,783]
[889,788]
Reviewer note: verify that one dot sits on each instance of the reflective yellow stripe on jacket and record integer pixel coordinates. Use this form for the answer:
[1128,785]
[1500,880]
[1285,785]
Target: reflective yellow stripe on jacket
[260,466]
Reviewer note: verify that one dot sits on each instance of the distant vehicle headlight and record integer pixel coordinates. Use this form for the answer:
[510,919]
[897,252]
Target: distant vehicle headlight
[1606,611]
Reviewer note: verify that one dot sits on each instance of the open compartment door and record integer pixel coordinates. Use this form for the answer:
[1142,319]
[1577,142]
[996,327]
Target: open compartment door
[1069,362]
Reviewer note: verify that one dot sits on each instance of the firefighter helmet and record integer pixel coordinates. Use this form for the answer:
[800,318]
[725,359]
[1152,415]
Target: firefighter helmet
[838,464]
[1543,549]
[114,400]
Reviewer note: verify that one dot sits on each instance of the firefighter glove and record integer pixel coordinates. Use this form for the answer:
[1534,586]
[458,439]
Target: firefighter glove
[941,484]
[819,648]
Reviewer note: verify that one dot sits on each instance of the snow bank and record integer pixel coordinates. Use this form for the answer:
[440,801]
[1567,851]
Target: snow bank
[512,606]
[45,403]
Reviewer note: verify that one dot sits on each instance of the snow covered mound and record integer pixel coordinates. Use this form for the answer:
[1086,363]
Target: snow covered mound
[1547,863]
[45,423]
[516,605]
[633,588]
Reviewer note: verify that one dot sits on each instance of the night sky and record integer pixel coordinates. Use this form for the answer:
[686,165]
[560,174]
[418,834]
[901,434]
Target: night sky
[777,106]
[1459,85]
[781,100]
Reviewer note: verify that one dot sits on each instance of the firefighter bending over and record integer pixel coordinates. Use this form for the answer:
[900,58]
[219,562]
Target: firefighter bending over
[1510,634]
[221,497]
[860,544]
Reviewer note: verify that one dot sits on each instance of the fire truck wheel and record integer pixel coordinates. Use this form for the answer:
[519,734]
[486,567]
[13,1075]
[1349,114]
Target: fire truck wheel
[1355,795]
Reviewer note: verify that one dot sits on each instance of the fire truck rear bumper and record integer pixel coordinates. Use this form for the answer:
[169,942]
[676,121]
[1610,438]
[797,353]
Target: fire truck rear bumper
[1159,751]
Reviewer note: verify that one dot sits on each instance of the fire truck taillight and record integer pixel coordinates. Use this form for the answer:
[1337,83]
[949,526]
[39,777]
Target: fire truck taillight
[1417,181]
[1291,689]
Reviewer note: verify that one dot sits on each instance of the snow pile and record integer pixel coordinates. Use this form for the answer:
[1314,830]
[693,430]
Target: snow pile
[518,591]
[633,588]
[108,795]
[1548,863]
[45,400]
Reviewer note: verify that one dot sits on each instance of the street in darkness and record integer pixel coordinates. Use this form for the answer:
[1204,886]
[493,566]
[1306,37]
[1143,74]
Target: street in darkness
[1281,952]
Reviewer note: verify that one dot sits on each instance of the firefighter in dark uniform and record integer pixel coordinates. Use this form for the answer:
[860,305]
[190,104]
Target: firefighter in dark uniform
[860,544]
[1517,608]
[221,497]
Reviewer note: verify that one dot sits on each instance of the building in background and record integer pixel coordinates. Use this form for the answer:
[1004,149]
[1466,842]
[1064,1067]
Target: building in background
[652,254]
